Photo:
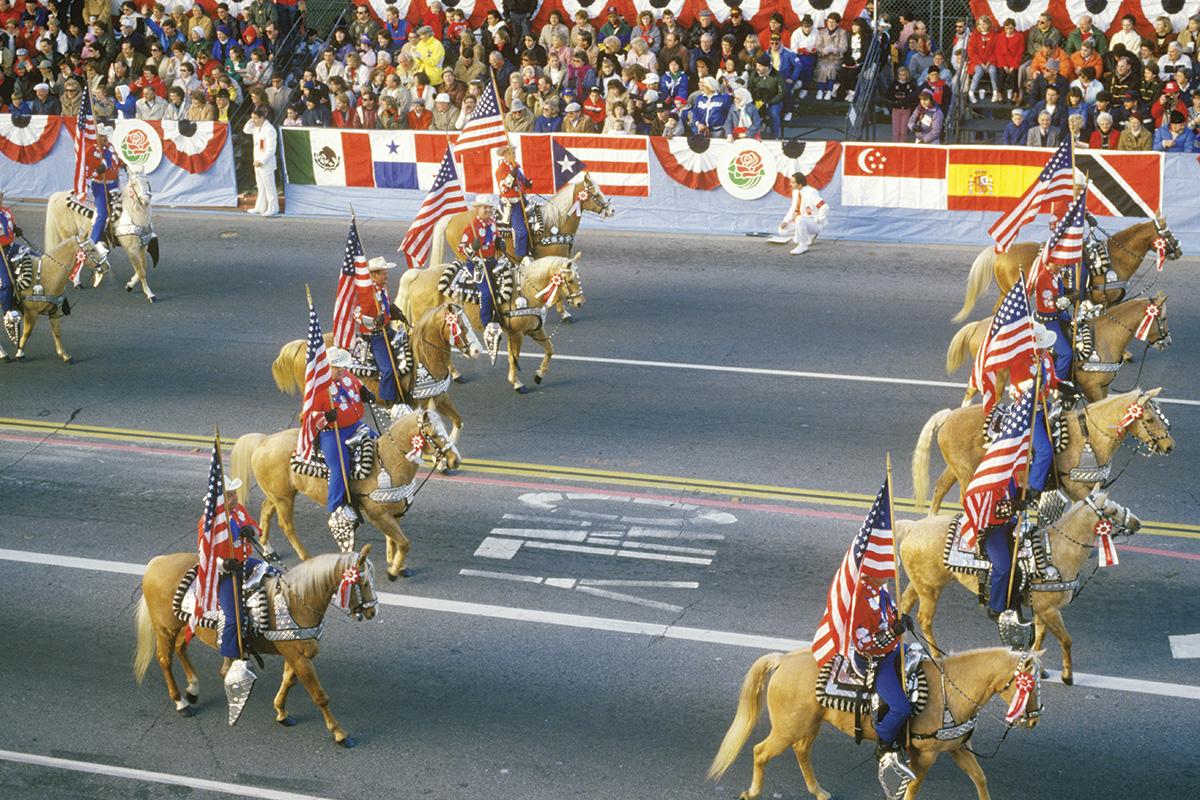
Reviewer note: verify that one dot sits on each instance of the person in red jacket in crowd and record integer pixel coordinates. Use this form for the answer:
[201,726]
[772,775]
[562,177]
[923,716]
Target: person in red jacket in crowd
[1010,51]
[1167,102]
[595,108]
[981,57]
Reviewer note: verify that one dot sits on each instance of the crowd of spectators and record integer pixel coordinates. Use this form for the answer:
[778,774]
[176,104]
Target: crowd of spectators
[1127,94]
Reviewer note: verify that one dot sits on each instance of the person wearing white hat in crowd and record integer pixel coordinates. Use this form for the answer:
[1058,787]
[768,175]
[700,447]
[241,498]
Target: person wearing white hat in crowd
[102,166]
[375,315]
[478,245]
[264,143]
[445,114]
[336,417]
[234,557]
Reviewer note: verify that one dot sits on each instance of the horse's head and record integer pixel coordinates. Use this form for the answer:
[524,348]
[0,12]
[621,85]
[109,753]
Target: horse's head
[1024,691]
[139,188]
[1174,251]
[572,287]
[459,333]
[436,441]
[1121,521]
[1159,336]
[358,585]
[93,257]
[1148,424]
[593,199]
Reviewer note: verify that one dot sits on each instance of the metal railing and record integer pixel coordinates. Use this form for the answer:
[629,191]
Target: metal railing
[861,114]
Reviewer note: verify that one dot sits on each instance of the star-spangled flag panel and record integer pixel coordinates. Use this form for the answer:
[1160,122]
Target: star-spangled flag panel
[1008,340]
[1004,456]
[871,554]
[1055,181]
[566,165]
[85,140]
[353,277]
[485,128]
[214,529]
[1065,245]
[317,378]
[446,197]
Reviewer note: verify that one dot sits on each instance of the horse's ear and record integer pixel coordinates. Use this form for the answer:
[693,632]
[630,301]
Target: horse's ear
[1153,393]
[366,551]
[575,258]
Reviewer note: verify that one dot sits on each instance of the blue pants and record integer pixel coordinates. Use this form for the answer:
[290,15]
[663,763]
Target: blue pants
[6,284]
[100,197]
[889,687]
[773,113]
[520,230]
[389,386]
[998,543]
[228,635]
[332,442]
[808,62]
[1043,452]
[486,304]
[1063,352]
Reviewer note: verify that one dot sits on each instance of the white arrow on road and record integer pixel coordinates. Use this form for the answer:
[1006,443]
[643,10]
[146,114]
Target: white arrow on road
[1185,646]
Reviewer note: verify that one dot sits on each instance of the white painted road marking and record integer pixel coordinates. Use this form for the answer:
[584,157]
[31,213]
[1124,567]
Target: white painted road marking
[702,635]
[585,586]
[1185,646]
[152,777]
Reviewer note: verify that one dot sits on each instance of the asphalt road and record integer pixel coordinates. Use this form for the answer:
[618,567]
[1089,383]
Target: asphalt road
[699,406]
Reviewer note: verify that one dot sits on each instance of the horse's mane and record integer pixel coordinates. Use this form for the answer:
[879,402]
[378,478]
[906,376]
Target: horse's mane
[556,208]
[308,577]
[1124,235]
[537,271]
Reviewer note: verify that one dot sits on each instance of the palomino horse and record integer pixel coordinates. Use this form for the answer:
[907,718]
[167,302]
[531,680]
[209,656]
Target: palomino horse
[47,294]
[561,216]
[922,544]
[790,682]
[960,437]
[1126,249]
[270,460]
[308,589]
[132,229]
[438,333]
[545,279]
[1110,331]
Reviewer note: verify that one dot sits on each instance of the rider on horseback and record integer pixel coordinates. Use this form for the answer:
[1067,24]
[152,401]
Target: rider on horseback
[998,543]
[1051,304]
[513,185]
[233,558]
[479,245]
[375,314]
[8,275]
[103,172]
[337,416]
[1023,377]
[877,627]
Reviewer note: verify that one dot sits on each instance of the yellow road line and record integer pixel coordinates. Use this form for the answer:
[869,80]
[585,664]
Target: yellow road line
[845,500]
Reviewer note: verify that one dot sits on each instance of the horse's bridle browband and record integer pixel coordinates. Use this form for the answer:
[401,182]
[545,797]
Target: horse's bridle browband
[1122,525]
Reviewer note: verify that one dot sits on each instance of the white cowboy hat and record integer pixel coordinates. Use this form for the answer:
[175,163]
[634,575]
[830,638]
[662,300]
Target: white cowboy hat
[338,357]
[503,150]
[104,129]
[1043,339]
[379,263]
[483,200]
[233,484]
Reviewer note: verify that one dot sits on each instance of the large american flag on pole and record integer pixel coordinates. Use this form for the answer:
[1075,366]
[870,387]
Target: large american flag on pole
[446,197]
[85,140]
[214,529]
[1009,339]
[1065,245]
[317,378]
[485,128]
[1056,181]
[354,276]
[872,554]
[1004,456]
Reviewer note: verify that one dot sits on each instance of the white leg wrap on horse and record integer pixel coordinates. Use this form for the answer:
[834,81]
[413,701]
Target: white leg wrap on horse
[181,705]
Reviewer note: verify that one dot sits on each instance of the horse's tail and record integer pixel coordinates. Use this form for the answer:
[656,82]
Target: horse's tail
[51,236]
[920,457]
[404,291]
[239,460]
[284,367]
[749,707]
[437,250]
[146,641]
[960,348]
[977,280]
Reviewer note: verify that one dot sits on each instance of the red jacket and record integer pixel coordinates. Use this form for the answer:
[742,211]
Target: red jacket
[480,235]
[373,300]
[1009,50]
[873,616]
[345,395]
[981,49]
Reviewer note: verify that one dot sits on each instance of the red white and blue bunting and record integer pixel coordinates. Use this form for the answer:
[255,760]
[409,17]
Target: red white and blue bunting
[28,140]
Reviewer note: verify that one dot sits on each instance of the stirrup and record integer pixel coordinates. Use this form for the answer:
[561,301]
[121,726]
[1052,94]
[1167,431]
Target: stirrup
[894,773]
[1015,632]
[13,324]
[342,523]
[491,339]
[239,682]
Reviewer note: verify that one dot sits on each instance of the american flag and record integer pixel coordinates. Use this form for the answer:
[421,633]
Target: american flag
[1003,458]
[354,276]
[1008,340]
[317,378]
[85,141]
[214,529]
[485,128]
[1065,246]
[444,198]
[872,554]
[1056,181]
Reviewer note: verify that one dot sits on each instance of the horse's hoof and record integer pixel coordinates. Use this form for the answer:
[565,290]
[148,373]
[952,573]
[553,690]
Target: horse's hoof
[537,378]
[7,358]
[287,721]
[460,379]
[523,389]
[404,573]
[150,298]
[187,711]
[191,698]
[347,742]
[569,320]
[22,359]
[129,289]
[1068,680]
[68,360]
[1045,675]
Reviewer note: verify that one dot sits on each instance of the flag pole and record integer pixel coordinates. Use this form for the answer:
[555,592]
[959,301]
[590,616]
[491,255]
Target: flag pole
[1037,389]
[237,592]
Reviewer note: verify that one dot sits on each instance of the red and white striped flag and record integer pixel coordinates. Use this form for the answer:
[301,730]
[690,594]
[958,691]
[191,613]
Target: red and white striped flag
[317,379]
[485,128]
[873,554]
[1009,339]
[353,277]
[1064,248]
[213,529]
[85,141]
[1056,181]
[1003,458]
[444,198]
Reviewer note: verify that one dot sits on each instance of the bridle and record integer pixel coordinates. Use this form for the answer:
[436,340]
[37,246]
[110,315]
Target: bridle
[459,333]
[1123,521]
[1174,251]
[1027,716]
[1155,438]
[357,605]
